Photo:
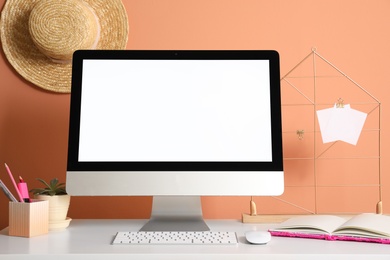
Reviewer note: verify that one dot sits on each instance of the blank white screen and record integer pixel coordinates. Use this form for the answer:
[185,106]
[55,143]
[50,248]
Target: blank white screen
[175,110]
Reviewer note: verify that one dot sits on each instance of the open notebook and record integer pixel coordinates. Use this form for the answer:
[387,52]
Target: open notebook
[366,227]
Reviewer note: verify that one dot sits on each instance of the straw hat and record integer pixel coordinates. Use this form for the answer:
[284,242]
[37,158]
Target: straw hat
[40,36]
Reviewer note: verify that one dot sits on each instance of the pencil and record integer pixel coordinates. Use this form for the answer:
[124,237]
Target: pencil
[7,192]
[14,183]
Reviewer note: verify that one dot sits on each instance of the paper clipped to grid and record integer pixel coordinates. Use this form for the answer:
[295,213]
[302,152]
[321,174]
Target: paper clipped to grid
[341,124]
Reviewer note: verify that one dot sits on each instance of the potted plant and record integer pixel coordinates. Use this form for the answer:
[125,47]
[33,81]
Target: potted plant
[55,193]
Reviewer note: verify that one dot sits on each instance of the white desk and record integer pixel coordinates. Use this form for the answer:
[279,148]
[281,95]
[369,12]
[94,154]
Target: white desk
[90,239]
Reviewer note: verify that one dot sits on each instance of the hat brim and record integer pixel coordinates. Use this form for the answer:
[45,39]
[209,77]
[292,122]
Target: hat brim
[34,66]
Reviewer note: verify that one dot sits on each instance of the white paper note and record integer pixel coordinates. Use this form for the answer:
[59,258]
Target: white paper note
[341,124]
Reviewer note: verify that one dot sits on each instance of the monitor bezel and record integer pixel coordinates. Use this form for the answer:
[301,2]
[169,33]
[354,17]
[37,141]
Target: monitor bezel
[73,164]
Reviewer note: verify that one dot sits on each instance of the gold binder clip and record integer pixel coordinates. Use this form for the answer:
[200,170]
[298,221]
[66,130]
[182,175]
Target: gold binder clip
[300,134]
[340,103]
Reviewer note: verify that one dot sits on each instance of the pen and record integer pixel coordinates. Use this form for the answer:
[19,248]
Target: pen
[22,186]
[14,183]
[7,192]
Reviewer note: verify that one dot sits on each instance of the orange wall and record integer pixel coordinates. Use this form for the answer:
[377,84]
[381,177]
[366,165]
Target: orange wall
[352,34]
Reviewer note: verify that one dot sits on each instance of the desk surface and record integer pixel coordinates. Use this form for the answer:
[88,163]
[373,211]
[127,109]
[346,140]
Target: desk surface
[90,239]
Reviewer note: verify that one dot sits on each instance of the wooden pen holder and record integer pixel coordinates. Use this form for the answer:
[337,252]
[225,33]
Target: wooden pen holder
[28,219]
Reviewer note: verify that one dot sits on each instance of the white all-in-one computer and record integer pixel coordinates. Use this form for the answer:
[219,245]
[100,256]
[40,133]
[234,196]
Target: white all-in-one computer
[175,125]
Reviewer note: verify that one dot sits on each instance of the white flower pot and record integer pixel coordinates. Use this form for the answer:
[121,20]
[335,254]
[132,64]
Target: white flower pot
[58,210]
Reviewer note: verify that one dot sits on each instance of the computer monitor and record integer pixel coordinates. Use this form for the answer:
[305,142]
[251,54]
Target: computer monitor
[175,125]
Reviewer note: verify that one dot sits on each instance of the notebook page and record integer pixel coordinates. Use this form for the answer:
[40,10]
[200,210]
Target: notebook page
[311,223]
[371,222]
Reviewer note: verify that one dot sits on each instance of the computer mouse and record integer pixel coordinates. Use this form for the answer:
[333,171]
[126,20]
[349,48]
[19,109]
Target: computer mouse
[258,237]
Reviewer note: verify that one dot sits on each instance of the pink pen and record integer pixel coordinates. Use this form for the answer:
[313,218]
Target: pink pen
[14,183]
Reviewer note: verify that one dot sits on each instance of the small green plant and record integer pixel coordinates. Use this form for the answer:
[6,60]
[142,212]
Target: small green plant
[51,189]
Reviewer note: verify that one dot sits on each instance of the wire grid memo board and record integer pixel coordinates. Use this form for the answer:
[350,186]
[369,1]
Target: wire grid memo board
[321,178]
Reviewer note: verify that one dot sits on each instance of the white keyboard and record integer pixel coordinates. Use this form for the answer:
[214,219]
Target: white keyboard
[175,238]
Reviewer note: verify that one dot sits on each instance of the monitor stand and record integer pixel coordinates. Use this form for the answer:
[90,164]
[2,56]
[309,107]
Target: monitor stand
[176,213]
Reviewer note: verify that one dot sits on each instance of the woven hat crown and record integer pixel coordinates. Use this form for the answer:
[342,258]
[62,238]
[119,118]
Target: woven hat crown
[58,28]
